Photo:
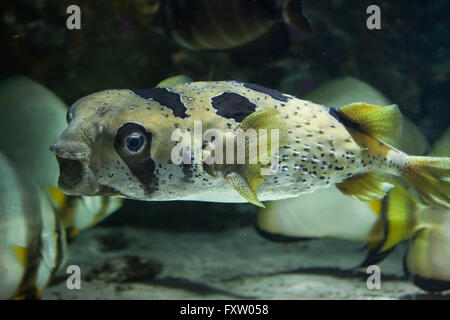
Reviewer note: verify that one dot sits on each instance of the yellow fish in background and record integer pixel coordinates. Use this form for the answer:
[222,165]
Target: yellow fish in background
[32,117]
[32,238]
[219,25]
[80,213]
[119,142]
[384,223]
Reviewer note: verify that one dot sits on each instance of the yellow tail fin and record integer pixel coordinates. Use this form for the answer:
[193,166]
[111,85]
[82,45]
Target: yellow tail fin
[430,176]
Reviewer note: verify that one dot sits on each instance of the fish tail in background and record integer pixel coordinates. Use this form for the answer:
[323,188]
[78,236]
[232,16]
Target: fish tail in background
[426,263]
[399,214]
[430,176]
[293,15]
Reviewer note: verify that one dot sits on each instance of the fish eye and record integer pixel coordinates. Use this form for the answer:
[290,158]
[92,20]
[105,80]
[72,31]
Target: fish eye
[132,139]
[135,142]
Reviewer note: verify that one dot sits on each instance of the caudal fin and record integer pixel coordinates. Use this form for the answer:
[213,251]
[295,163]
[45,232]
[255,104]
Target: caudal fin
[430,176]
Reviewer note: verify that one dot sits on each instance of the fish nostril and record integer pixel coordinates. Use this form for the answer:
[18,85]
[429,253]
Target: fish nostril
[55,149]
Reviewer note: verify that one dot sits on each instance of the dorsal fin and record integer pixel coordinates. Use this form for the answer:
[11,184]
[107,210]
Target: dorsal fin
[174,80]
[383,123]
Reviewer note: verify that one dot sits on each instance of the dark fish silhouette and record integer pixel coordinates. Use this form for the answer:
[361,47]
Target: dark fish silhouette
[226,24]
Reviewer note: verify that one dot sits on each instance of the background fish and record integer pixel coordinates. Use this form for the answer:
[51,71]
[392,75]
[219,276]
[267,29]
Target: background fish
[32,117]
[32,238]
[216,25]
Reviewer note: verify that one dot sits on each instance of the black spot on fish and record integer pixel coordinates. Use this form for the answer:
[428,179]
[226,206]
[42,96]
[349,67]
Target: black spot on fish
[339,116]
[271,92]
[232,106]
[140,164]
[165,98]
[335,114]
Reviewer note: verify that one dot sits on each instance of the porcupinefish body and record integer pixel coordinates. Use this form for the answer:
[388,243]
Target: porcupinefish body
[123,142]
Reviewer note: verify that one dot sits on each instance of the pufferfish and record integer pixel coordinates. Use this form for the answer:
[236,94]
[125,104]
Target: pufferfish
[121,142]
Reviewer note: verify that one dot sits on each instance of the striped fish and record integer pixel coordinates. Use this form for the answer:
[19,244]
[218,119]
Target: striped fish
[41,115]
[32,238]
[217,24]
[79,213]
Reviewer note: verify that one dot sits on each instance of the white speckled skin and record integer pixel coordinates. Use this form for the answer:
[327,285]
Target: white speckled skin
[320,150]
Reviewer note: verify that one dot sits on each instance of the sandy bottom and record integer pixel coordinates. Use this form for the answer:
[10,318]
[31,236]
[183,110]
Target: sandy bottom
[131,263]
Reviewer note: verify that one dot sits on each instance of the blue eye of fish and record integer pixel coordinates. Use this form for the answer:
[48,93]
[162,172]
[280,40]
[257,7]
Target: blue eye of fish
[135,143]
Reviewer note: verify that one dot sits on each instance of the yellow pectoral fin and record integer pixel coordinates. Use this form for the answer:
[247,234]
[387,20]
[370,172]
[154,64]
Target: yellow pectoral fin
[247,187]
[178,79]
[366,187]
[247,177]
[268,119]
[383,123]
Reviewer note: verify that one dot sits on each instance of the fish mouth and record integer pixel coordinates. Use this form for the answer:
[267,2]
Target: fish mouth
[70,173]
[75,176]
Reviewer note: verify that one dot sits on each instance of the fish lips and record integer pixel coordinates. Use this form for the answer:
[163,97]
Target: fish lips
[75,176]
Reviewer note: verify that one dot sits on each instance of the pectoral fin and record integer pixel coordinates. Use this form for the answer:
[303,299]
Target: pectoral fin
[268,119]
[246,186]
[246,178]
